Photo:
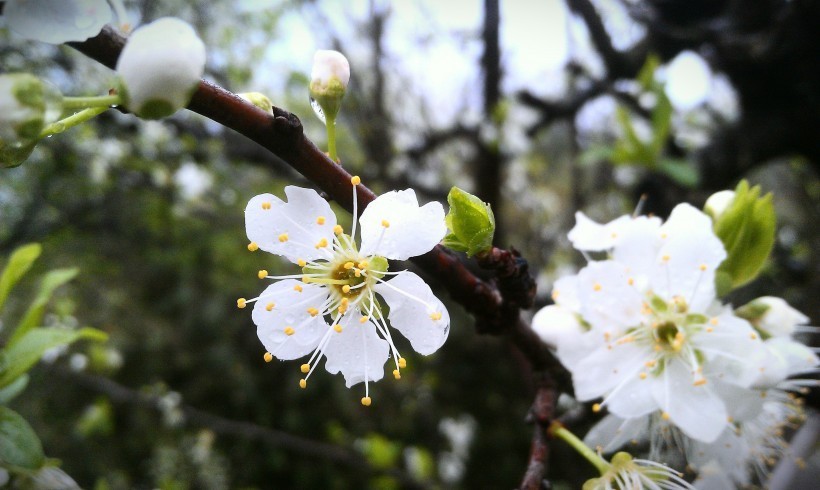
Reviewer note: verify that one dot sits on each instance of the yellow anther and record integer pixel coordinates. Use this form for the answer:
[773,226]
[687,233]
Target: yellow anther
[262,274]
[338,229]
[364,319]
[730,419]
[385,223]
[650,363]
[349,265]
[614,235]
[320,220]
[363,264]
[345,302]
[402,363]
[642,375]
[396,374]
[297,288]
[714,321]
[630,281]
[289,331]
[366,401]
[703,267]
[266,205]
[665,415]
[435,316]
[342,309]
[305,279]
[321,243]
[305,368]
[596,407]
[356,180]
[709,329]
[753,336]
[664,236]
[313,311]
[303,383]
[555,295]
[253,247]
[357,272]
[346,288]
[268,357]
[241,303]
[699,382]
[665,258]
[301,262]
[338,328]
[596,287]
[269,306]
[283,237]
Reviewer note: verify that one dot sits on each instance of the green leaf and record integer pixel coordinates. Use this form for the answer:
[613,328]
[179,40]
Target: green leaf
[470,221]
[19,445]
[646,77]
[19,263]
[681,171]
[19,357]
[11,391]
[747,229]
[661,122]
[34,315]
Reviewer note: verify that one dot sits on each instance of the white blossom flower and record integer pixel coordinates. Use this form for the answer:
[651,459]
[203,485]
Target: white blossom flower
[329,66]
[57,22]
[160,67]
[332,308]
[718,203]
[626,473]
[654,337]
[779,318]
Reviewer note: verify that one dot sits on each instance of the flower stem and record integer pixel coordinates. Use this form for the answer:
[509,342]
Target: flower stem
[71,121]
[558,430]
[70,103]
[330,124]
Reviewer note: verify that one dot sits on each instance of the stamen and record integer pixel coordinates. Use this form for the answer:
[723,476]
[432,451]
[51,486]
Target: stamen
[266,205]
[436,316]
[301,263]
[305,368]
[283,237]
[241,303]
[268,357]
[402,363]
[297,288]
[385,223]
[320,220]
[321,243]
[355,180]
[366,401]
[253,247]
[262,274]
[396,374]
[338,230]
[313,311]
[289,331]
[303,383]
[269,306]
[337,328]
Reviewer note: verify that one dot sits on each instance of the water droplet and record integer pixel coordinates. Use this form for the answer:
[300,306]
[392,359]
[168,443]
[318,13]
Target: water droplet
[317,109]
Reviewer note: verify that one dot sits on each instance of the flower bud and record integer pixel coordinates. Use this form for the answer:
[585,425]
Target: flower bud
[718,202]
[471,223]
[160,67]
[746,226]
[772,316]
[27,105]
[258,99]
[57,22]
[328,83]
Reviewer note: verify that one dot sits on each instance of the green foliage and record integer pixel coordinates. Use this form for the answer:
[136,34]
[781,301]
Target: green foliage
[471,223]
[19,263]
[19,445]
[747,229]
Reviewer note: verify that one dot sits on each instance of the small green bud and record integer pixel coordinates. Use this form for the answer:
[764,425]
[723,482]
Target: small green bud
[471,223]
[746,226]
[258,99]
[328,83]
[27,105]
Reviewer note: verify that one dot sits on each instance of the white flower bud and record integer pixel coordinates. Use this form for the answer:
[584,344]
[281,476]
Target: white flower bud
[27,104]
[779,318]
[328,83]
[718,202]
[160,67]
[57,22]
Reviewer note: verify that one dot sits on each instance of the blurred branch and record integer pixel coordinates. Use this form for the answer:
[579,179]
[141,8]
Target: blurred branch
[540,415]
[118,393]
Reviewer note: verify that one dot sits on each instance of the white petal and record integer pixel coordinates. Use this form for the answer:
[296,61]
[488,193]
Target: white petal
[733,350]
[609,302]
[612,432]
[561,329]
[329,64]
[632,400]
[290,310]
[357,351]
[411,230]
[608,367]
[414,311]
[565,293]
[304,221]
[57,22]
[695,409]
[161,66]
[780,319]
[714,477]
[591,236]
[637,245]
[785,358]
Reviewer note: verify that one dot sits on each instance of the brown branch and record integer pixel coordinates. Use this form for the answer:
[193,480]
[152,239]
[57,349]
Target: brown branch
[541,415]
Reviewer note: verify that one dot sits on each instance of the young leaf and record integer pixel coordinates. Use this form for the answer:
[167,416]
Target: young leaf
[470,221]
[19,445]
[19,357]
[11,391]
[34,315]
[19,263]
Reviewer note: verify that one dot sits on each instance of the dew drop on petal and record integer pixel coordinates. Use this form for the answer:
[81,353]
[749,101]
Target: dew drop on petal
[317,109]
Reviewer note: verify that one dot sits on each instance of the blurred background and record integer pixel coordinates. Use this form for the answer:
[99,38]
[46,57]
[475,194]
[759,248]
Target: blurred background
[541,108]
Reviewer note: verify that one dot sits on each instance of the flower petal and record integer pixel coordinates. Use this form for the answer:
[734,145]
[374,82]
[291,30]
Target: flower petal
[637,245]
[57,22]
[695,409]
[282,309]
[610,365]
[292,229]
[609,302]
[612,432]
[560,328]
[590,236]
[357,351]
[733,350]
[415,311]
[395,227]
